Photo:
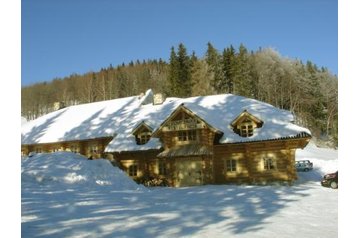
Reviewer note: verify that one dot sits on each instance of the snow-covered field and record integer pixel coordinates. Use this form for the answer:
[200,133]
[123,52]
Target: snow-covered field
[65,195]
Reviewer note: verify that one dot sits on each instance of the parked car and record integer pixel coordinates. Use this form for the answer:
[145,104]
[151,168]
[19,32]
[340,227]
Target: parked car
[330,180]
[303,165]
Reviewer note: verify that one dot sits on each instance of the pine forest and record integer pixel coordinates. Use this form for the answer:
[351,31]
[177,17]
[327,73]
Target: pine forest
[308,91]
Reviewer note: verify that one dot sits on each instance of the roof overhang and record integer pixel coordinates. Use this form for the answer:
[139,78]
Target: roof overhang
[186,151]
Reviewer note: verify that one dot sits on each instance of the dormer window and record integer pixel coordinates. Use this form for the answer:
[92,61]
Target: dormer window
[246,130]
[143,138]
[142,133]
[245,124]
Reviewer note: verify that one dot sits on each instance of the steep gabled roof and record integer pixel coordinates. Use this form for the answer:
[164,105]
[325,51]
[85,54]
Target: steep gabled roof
[244,115]
[141,125]
[180,108]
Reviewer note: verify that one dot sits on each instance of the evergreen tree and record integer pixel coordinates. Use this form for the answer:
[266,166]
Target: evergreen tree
[229,70]
[173,74]
[243,82]
[180,72]
[213,59]
[311,93]
[184,72]
[317,107]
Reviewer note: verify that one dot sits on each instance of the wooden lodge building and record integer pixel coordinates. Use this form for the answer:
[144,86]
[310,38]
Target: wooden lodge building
[220,139]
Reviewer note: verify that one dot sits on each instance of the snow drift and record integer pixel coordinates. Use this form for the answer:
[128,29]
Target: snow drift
[65,195]
[71,169]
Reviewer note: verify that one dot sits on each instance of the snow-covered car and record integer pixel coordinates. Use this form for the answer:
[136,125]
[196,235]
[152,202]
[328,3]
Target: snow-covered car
[303,165]
[330,180]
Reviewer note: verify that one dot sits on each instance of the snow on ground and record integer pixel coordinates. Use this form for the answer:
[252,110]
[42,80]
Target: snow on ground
[65,195]
[66,169]
[23,120]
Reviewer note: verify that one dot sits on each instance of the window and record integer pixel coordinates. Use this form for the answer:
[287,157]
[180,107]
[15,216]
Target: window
[246,130]
[269,164]
[230,165]
[142,133]
[143,138]
[245,124]
[132,170]
[162,167]
[182,136]
[187,135]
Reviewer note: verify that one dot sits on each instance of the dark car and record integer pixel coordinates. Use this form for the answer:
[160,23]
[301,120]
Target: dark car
[303,165]
[330,180]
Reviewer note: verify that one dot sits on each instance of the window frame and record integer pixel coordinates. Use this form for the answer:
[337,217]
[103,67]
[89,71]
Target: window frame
[162,167]
[231,165]
[133,170]
[187,135]
[246,129]
[143,138]
[269,164]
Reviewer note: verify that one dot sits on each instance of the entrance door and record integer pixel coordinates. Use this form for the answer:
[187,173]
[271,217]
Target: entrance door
[189,172]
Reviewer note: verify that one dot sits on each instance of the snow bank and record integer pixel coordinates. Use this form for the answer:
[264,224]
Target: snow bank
[303,210]
[71,169]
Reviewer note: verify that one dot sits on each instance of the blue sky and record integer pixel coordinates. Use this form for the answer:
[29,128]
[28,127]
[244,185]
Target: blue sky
[62,37]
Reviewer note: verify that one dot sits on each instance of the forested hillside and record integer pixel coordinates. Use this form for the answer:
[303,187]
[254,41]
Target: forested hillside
[310,92]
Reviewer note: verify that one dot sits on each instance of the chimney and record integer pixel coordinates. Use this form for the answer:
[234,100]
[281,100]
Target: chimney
[158,99]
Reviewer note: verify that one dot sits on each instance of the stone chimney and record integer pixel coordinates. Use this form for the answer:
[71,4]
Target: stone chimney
[158,98]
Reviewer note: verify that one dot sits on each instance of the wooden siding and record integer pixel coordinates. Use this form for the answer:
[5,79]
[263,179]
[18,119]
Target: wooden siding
[204,137]
[248,158]
[250,163]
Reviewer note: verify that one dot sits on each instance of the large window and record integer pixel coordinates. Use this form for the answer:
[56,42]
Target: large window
[269,164]
[189,135]
[230,165]
[132,170]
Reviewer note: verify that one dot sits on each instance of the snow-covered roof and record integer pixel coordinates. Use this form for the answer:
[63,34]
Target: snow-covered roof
[119,117]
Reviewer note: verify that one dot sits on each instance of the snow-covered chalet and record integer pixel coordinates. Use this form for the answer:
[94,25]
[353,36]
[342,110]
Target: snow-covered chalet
[220,139]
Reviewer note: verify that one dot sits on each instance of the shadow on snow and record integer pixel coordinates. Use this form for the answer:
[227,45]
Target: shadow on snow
[159,212]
